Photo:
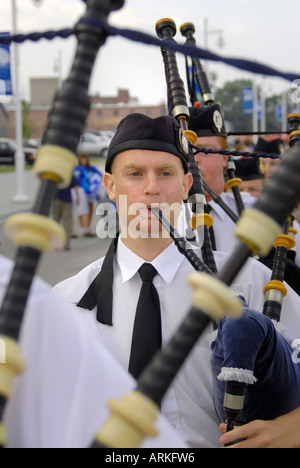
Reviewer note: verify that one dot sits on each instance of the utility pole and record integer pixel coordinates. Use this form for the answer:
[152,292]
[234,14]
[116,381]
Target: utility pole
[20,195]
[208,32]
[58,68]
[255,111]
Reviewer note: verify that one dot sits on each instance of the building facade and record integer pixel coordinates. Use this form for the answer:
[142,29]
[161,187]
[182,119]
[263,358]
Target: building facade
[4,121]
[105,112]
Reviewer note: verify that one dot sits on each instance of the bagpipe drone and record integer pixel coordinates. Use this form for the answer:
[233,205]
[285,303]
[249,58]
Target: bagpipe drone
[250,350]
[34,233]
[133,418]
[257,229]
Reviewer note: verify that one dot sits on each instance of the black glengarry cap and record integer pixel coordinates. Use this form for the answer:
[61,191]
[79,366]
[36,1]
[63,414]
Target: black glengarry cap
[249,168]
[138,131]
[272,147]
[207,121]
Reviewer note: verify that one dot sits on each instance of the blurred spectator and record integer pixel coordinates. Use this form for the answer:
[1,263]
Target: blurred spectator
[250,170]
[88,178]
[238,146]
[80,209]
[248,146]
[62,210]
[272,147]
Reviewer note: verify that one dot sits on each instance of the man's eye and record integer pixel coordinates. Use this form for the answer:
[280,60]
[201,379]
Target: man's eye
[135,173]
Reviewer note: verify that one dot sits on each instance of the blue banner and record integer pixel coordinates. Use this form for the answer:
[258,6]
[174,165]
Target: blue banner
[259,110]
[5,75]
[247,101]
[197,90]
[278,113]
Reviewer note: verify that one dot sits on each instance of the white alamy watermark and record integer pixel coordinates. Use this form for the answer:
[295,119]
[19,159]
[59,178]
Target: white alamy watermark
[295,93]
[296,353]
[2,352]
[137,220]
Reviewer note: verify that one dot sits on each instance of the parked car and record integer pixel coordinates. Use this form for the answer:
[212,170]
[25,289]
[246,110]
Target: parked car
[32,143]
[8,150]
[102,133]
[94,145]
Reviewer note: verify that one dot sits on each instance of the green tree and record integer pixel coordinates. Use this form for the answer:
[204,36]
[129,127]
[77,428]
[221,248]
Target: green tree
[272,124]
[230,98]
[27,123]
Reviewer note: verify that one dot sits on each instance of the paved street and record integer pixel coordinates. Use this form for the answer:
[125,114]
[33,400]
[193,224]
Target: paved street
[54,266]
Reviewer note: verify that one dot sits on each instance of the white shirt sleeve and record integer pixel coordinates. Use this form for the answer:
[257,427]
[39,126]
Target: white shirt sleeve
[61,398]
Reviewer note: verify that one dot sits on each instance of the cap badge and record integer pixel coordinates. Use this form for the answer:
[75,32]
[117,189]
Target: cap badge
[218,120]
[183,141]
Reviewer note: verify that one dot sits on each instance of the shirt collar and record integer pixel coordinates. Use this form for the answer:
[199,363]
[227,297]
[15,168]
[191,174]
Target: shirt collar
[166,264]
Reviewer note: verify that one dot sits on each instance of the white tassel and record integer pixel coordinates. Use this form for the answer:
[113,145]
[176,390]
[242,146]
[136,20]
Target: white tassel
[237,375]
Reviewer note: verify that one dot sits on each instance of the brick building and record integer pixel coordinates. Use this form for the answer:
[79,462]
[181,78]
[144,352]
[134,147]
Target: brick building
[105,113]
[4,121]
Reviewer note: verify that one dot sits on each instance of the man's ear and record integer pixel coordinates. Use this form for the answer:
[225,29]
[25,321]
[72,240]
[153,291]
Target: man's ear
[225,161]
[187,183]
[109,184]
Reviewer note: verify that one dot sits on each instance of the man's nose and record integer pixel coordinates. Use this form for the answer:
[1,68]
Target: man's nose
[152,185]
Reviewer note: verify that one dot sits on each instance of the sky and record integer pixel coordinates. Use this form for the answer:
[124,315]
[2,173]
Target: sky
[266,31]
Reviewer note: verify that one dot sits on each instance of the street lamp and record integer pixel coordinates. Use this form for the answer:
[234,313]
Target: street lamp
[207,31]
[20,195]
[19,156]
[58,68]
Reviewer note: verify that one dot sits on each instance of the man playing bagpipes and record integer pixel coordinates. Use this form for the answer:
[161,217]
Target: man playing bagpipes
[147,165]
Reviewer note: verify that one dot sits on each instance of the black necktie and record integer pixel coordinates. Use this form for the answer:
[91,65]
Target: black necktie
[146,337]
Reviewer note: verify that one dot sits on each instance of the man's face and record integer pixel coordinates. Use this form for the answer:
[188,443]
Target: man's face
[212,165]
[140,179]
[253,187]
[269,166]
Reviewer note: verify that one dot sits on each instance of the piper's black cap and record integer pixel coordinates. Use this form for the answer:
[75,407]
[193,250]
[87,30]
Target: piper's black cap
[248,168]
[272,147]
[138,131]
[207,121]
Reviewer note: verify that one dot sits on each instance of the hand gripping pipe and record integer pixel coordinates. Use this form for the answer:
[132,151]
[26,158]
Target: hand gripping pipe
[234,397]
[279,211]
[274,290]
[34,232]
[133,418]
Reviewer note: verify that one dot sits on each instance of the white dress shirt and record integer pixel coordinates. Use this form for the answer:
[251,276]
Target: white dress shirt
[224,227]
[188,404]
[60,401]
